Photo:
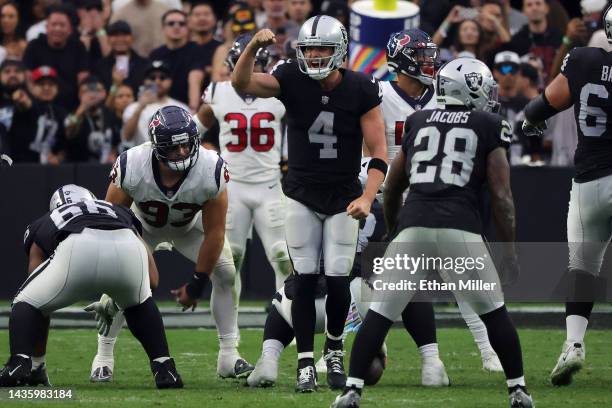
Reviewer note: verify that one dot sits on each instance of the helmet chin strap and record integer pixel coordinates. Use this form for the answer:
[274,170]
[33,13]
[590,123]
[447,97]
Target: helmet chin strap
[181,165]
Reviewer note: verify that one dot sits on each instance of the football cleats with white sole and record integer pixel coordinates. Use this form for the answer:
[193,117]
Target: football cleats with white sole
[264,374]
[102,369]
[491,363]
[570,362]
[233,366]
[433,373]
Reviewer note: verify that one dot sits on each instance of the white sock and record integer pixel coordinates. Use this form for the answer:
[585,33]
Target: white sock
[224,308]
[306,354]
[161,359]
[37,362]
[354,382]
[576,328]
[429,351]
[106,346]
[272,349]
[228,344]
[477,328]
[516,381]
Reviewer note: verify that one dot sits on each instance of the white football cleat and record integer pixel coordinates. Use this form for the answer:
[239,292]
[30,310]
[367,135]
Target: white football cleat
[349,399]
[433,373]
[570,362]
[321,366]
[519,398]
[264,374]
[233,366]
[491,363]
[102,369]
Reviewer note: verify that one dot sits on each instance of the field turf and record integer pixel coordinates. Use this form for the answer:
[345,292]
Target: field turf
[70,353]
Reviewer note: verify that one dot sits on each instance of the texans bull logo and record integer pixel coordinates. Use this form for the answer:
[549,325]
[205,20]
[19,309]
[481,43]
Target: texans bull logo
[398,43]
[473,81]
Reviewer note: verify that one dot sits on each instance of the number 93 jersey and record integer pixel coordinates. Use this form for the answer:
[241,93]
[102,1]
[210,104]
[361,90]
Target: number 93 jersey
[324,136]
[397,106]
[589,74]
[249,132]
[136,172]
[446,163]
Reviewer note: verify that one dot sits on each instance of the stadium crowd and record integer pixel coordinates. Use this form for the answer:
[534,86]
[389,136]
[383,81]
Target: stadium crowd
[79,79]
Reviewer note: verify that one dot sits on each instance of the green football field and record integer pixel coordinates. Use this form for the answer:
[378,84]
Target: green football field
[70,353]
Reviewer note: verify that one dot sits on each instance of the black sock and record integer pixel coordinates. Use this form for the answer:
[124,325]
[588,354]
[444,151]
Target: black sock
[505,341]
[337,306]
[25,326]
[579,308]
[145,323]
[277,328]
[420,322]
[368,341]
[303,313]
[40,346]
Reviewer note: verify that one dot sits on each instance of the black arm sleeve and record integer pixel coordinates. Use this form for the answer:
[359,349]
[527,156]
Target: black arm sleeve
[539,109]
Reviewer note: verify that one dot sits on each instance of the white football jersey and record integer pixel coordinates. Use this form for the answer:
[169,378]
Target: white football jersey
[166,209]
[250,135]
[397,106]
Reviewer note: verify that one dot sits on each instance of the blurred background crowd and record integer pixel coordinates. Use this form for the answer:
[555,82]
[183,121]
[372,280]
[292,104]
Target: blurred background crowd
[79,79]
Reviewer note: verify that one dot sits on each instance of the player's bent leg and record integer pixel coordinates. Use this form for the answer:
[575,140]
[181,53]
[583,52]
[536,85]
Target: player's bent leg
[237,225]
[490,361]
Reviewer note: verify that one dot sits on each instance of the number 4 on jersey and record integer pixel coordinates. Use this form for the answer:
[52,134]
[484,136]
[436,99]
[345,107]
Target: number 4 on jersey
[322,131]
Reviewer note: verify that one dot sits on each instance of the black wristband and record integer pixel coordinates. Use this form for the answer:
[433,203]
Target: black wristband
[539,109]
[197,285]
[378,164]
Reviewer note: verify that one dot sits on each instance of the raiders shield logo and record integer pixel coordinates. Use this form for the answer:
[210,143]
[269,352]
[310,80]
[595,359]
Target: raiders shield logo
[473,81]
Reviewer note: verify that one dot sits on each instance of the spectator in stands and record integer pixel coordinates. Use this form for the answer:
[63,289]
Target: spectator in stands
[11,35]
[120,98]
[39,14]
[91,29]
[17,116]
[144,16]
[154,95]
[338,9]
[505,72]
[92,131]
[277,21]
[65,53]
[576,35]
[123,65]
[299,11]
[202,23]
[241,21]
[494,23]
[184,58]
[467,40]
[537,37]
[51,116]
[516,19]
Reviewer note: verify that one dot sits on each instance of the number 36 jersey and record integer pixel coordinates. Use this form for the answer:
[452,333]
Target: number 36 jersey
[589,74]
[324,136]
[249,132]
[446,163]
[159,208]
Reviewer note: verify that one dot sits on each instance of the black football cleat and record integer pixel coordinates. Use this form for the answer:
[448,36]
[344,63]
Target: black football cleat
[336,376]
[16,372]
[306,379]
[165,374]
[39,376]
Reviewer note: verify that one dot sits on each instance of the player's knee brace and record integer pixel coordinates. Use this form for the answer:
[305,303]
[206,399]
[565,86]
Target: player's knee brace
[339,266]
[278,254]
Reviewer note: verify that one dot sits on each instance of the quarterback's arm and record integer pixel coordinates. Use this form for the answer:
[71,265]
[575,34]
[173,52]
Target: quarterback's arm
[116,195]
[373,130]
[213,221]
[36,257]
[244,80]
[502,203]
[397,182]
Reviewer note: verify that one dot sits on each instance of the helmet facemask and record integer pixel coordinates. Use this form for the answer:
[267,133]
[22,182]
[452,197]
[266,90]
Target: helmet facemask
[318,67]
[167,152]
[418,63]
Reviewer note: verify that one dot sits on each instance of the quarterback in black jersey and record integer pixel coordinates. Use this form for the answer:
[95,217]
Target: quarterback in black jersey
[77,250]
[447,156]
[331,113]
[585,82]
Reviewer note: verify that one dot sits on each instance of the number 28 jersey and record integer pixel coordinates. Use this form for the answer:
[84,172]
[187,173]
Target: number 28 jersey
[446,163]
[249,132]
[589,74]
[324,136]
[162,209]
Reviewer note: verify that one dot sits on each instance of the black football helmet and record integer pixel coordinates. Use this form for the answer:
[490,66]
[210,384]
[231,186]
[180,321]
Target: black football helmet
[413,53]
[171,127]
[262,57]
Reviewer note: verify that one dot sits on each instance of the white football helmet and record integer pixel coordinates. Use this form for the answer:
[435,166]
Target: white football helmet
[607,22]
[321,31]
[68,194]
[467,82]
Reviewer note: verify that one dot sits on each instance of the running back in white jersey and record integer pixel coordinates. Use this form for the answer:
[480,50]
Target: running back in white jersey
[396,107]
[162,209]
[249,132]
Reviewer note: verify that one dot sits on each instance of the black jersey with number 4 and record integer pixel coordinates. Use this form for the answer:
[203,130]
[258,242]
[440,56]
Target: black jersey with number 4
[589,73]
[324,136]
[53,227]
[446,162]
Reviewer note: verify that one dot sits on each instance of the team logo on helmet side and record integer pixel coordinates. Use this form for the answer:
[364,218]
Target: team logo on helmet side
[473,81]
[399,41]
